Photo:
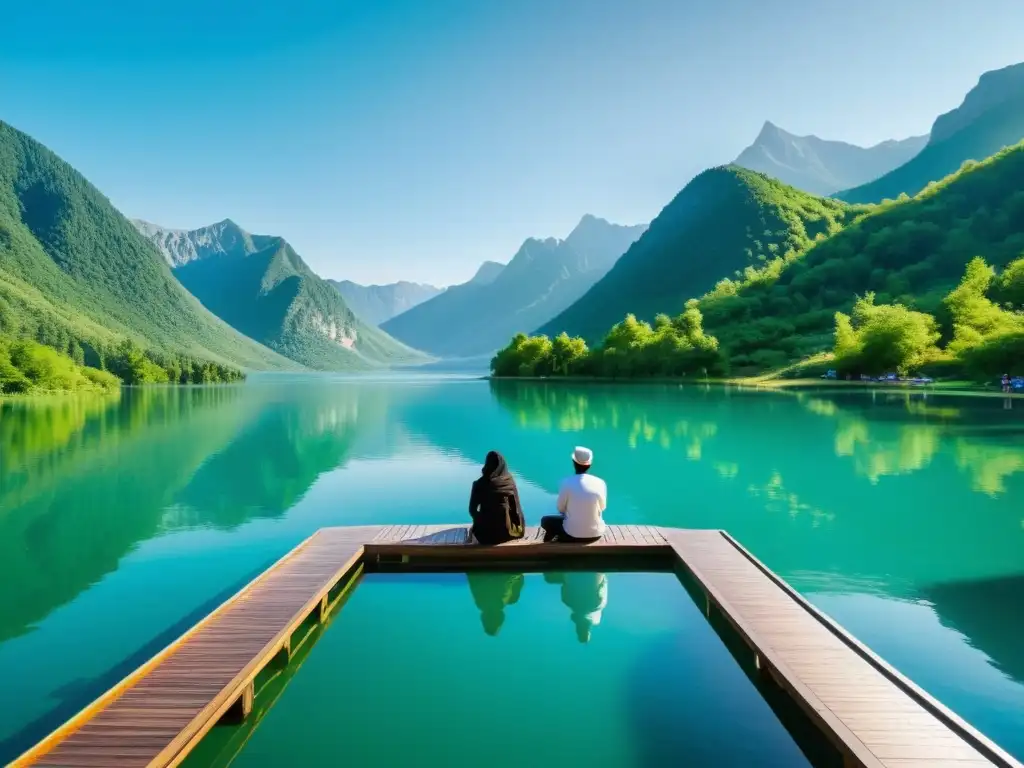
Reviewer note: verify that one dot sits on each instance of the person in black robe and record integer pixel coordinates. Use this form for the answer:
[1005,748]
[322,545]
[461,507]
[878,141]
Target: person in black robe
[494,504]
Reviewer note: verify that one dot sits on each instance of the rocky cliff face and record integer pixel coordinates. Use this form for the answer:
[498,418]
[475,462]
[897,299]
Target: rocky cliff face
[181,246]
[259,285]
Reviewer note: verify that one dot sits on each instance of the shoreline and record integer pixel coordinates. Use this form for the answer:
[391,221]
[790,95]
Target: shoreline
[961,388]
[62,393]
[46,394]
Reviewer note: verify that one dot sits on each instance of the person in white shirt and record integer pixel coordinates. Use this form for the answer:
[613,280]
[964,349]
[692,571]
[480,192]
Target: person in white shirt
[582,499]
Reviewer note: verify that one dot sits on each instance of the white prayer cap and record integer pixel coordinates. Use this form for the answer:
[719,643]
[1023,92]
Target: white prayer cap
[583,456]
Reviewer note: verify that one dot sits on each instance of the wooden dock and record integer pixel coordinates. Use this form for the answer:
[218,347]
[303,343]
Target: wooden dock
[869,713]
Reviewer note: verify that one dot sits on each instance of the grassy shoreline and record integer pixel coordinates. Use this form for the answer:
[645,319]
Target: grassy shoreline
[44,394]
[53,394]
[964,388]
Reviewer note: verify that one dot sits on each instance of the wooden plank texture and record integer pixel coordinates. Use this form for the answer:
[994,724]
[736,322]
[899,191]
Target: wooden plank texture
[451,543]
[874,715]
[159,712]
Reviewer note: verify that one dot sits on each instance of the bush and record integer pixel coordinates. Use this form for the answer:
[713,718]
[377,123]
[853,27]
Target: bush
[995,356]
[883,338]
[986,338]
[27,366]
[12,381]
[102,379]
[44,367]
[1011,284]
[672,347]
[524,356]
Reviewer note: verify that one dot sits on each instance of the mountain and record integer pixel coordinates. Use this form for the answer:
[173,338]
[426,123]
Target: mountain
[487,273]
[991,117]
[542,279]
[912,252]
[73,269]
[181,246]
[823,167]
[262,287]
[375,304]
[724,220]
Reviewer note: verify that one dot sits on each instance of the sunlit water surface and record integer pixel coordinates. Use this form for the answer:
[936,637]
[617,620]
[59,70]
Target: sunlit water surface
[607,670]
[122,521]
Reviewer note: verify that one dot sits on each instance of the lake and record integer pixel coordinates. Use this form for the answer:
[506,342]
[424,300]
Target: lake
[123,521]
[606,670]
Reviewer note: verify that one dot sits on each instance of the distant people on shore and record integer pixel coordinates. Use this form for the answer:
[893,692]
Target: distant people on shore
[494,504]
[585,594]
[1006,382]
[492,593]
[582,499]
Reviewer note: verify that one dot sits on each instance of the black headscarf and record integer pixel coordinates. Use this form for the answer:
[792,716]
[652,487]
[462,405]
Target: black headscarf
[495,475]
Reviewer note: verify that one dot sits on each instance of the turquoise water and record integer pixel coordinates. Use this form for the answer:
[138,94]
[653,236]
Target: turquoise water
[500,669]
[122,522]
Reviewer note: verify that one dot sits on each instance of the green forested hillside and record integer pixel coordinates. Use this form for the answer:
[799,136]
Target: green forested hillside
[727,219]
[936,280]
[912,252]
[990,118]
[74,271]
[264,289]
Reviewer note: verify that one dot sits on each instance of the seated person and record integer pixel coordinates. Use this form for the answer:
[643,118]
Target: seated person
[582,499]
[494,504]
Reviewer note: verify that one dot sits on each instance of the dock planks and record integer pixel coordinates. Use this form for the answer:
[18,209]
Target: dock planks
[159,712]
[449,543]
[873,715]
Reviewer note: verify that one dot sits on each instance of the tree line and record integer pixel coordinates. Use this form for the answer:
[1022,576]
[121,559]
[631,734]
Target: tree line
[983,318]
[670,347]
[28,365]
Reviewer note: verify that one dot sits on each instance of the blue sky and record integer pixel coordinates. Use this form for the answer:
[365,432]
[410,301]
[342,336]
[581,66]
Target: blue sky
[412,140]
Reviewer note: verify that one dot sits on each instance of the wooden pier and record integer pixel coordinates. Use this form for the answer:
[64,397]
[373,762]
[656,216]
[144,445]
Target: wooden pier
[869,713]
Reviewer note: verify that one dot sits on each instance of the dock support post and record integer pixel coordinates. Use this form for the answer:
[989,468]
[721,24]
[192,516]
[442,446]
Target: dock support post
[322,611]
[242,707]
[284,654]
[765,671]
[762,668]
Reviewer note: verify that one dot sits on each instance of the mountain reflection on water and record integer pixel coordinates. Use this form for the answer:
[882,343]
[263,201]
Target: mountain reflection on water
[876,496]
[989,613]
